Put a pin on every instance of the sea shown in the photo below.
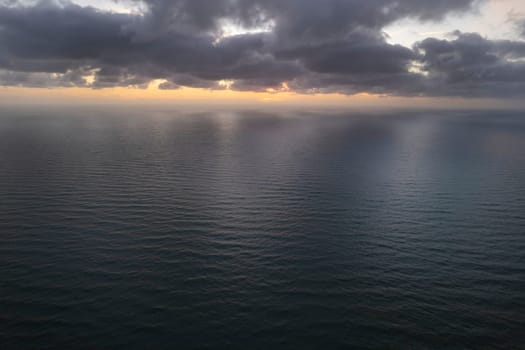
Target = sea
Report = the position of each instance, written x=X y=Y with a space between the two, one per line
x=167 y=228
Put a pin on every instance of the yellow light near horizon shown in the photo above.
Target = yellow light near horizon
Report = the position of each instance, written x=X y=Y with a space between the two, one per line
x=202 y=97
x=152 y=92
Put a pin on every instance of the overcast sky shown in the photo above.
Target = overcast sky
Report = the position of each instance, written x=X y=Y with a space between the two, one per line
x=406 y=48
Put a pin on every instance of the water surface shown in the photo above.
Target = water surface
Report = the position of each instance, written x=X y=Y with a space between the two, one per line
x=245 y=230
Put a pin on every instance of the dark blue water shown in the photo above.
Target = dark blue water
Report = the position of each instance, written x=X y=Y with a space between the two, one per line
x=165 y=229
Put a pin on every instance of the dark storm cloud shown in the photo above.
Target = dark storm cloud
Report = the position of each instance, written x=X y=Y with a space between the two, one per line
x=473 y=65
x=311 y=46
x=359 y=53
x=298 y=18
x=37 y=79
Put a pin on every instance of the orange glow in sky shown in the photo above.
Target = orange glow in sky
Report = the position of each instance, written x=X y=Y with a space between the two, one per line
x=198 y=97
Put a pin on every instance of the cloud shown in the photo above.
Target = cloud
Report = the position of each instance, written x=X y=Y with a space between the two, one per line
x=41 y=79
x=301 y=45
x=472 y=65
x=358 y=53
x=521 y=27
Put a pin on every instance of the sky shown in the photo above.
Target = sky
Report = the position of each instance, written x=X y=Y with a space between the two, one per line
x=333 y=52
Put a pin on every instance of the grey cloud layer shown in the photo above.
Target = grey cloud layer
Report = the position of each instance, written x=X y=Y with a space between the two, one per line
x=311 y=45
